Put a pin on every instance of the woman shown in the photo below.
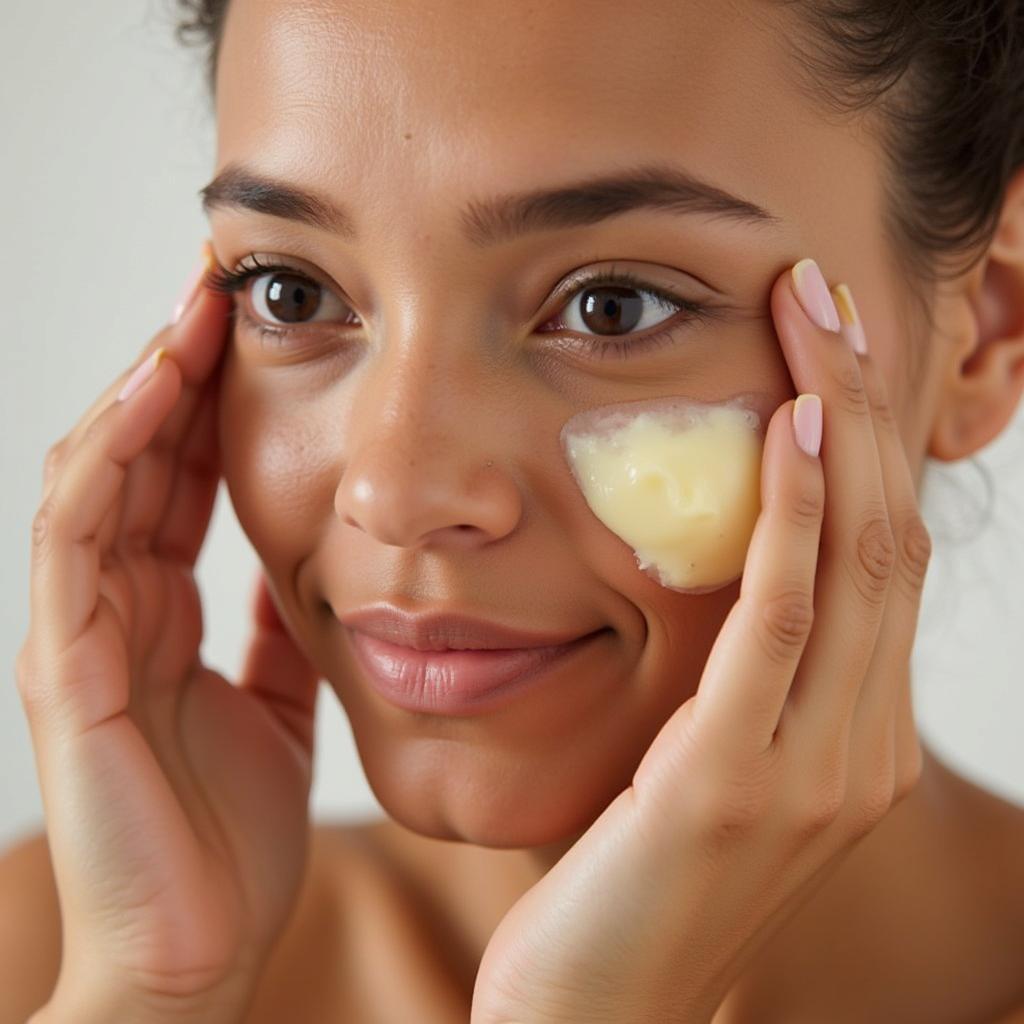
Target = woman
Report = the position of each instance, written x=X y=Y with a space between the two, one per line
x=438 y=232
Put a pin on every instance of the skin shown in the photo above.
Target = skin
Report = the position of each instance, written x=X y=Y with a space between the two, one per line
x=448 y=354
x=405 y=439
x=377 y=461
x=450 y=343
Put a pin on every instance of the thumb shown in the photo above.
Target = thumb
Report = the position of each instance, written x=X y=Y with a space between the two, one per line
x=276 y=672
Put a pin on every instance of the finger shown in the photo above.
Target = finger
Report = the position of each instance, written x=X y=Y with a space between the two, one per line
x=192 y=342
x=856 y=557
x=200 y=336
x=888 y=675
x=750 y=669
x=277 y=671
x=193 y=489
x=65 y=544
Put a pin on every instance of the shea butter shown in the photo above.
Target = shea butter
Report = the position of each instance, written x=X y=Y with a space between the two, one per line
x=679 y=481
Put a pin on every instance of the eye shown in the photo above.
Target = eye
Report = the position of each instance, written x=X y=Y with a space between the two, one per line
x=287 y=299
x=282 y=297
x=612 y=313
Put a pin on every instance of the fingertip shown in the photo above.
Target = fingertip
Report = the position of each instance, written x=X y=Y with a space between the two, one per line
x=145 y=371
x=199 y=332
x=807 y=423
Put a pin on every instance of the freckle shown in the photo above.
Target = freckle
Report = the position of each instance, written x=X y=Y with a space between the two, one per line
x=408 y=135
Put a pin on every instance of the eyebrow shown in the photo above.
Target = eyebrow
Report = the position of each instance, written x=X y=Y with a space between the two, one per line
x=504 y=217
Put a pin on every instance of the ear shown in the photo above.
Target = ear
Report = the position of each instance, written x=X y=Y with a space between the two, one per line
x=984 y=374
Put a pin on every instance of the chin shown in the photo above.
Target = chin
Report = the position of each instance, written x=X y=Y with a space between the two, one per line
x=509 y=823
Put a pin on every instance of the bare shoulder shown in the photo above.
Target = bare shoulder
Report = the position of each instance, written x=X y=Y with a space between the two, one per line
x=30 y=928
x=988 y=845
x=991 y=832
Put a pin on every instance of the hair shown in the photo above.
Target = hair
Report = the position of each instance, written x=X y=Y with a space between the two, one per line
x=942 y=85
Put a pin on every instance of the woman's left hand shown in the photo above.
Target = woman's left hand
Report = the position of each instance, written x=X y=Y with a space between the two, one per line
x=799 y=739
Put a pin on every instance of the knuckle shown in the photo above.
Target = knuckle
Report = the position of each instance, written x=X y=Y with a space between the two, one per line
x=728 y=814
x=94 y=430
x=875 y=558
x=915 y=549
x=43 y=527
x=881 y=410
x=23 y=664
x=785 y=624
x=820 y=809
x=54 y=457
x=807 y=508
x=876 y=799
x=30 y=689
x=850 y=389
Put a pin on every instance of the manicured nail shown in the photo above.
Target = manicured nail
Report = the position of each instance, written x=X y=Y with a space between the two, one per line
x=812 y=293
x=142 y=373
x=807 y=423
x=191 y=288
x=850 y=327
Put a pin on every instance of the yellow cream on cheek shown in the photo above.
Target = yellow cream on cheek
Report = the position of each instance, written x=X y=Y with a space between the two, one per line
x=679 y=481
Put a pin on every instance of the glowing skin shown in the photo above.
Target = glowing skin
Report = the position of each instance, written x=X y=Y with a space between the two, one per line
x=410 y=452
x=679 y=481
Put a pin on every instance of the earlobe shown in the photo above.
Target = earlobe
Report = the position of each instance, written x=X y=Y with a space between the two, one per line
x=985 y=370
x=977 y=407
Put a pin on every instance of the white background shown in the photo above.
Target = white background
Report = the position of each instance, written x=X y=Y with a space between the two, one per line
x=107 y=136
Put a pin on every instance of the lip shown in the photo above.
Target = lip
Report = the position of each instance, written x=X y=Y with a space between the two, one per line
x=440 y=631
x=450 y=664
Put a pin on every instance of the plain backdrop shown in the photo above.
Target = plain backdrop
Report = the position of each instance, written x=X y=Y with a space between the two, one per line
x=107 y=136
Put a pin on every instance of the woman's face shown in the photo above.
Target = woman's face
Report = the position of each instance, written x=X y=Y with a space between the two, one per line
x=401 y=443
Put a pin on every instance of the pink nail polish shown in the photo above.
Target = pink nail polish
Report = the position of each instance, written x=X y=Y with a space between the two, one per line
x=813 y=295
x=807 y=423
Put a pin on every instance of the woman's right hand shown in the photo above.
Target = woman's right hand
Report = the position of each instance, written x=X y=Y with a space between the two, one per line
x=176 y=803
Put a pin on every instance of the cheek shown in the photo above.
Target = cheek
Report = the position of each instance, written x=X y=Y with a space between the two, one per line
x=677 y=480
x=272 y=459
x=680 y=630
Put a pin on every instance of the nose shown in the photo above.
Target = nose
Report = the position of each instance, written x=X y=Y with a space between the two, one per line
x=427 y=462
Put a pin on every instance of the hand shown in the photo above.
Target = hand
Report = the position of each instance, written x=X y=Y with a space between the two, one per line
x=798 y=741
x=175 y=802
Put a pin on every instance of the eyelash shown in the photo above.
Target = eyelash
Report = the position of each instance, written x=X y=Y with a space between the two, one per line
x=228 y=282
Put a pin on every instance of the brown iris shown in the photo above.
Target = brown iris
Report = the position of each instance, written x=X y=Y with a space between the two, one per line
x=610 y=309
x=291 y=298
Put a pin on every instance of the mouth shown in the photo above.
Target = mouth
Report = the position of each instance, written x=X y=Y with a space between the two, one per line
x=451 y=664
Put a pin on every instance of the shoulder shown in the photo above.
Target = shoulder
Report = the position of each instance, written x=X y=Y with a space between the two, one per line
x=984 y=846
x=989 y=836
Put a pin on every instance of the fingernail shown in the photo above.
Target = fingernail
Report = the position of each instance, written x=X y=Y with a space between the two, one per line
x=142 y=373
x=813 y=294
x=850 y=327
x=807 y=423
x=191 y=288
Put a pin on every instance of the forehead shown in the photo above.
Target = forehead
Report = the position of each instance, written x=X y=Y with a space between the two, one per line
x=402 y=109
